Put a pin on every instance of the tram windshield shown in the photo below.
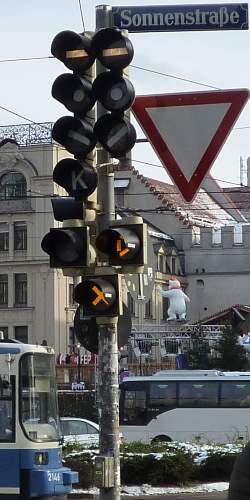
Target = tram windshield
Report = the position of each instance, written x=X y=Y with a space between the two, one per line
x=38 y=397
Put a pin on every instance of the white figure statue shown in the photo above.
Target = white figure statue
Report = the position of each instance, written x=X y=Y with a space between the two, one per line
x=177 y=300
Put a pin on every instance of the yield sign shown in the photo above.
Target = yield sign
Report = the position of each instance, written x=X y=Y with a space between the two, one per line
x=188 y=130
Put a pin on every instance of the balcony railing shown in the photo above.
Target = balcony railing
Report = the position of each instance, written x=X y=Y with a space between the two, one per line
x=28 y=134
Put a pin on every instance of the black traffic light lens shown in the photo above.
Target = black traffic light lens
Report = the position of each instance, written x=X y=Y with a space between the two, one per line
x=67 y=246
x=66 y=208
x=116 y=134
x=75 y=135
x=74 y=50
x=113 y=91
x=113 y=49
x=78 y=178
x=97 y=295
x=122 y=245
x=74 y=92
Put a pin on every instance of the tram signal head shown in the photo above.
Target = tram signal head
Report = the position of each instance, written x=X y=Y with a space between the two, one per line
x=114 y=91
x=100 y=296
x=125 y=243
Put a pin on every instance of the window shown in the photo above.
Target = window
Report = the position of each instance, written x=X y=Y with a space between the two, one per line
x=119 y=197
x=165 y=305
x=91 y=429
x=3 y=290
x=148 y=309
x=38 y=397
x=71 y=292
x=20 y=289
x=21 y=334
x=4 y=237
x=7 y=407
x=173 y=265
x=161 y=259
x=131 y=305
x=198 y=394
x=162 y=394
x=13 y=185
x=134 y=407
x=196 y=235
x=20 y=236
x=4 y=329
x=216 y=236
x=72 y=336
x=238 y=236
x=200 y=283
x=235 y=394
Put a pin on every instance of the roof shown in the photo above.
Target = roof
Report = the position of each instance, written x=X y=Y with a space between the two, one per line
x=237 y=308
x=241 y=197
x=203 y=211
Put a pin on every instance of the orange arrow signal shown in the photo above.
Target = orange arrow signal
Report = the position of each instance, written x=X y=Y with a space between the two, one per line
x=119 y=248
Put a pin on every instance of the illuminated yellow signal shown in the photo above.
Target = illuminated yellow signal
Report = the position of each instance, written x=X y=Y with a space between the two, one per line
x=99 y=296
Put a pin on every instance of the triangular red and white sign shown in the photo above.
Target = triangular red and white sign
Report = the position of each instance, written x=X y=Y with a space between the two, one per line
x=188 y=130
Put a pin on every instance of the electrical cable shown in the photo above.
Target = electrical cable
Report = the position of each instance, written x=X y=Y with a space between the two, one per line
x=83 y=24
x=175 y=77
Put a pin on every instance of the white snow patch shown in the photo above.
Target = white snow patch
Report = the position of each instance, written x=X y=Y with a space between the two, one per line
x=146 y=489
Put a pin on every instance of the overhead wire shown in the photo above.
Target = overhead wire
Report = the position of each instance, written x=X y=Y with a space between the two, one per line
x=137 y=67
x=81 y=12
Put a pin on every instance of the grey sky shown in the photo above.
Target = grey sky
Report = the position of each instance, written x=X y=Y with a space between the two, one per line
x=220 y=59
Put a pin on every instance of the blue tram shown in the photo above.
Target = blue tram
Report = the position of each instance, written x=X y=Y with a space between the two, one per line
x=30 y=437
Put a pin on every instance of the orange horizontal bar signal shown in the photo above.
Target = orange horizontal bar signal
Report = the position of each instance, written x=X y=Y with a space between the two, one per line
x=70 y=54
x=99 y=296
x=116 y=51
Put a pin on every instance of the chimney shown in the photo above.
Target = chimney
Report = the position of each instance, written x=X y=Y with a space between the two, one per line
x=248 y=171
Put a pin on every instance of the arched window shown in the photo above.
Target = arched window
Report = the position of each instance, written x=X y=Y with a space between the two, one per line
x=13 y=185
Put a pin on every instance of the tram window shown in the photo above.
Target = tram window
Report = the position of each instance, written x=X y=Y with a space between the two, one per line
x=235 y=394
x=198 y=394
x=162 y=394
x=134 y=407
x=38 y=407
x=7 y=405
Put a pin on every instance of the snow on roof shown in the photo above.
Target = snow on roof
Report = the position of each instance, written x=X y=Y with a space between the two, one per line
x=162 y=236
x=203 y=211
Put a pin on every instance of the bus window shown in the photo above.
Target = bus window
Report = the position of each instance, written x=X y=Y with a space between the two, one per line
x=7 y=413
x=198 y=394
x=134 y=411
x=162 y=396
x=235 y=394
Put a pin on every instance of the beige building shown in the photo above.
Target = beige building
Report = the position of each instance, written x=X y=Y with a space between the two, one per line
x=34 y=299
x=36 y=302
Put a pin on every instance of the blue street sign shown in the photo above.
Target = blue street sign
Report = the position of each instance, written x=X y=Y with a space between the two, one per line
x=228 y=16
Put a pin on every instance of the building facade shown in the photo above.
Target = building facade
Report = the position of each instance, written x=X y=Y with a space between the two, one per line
x=36 y=302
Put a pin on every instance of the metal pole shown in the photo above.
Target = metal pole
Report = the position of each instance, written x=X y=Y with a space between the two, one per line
x=107 y=341
x=78 y=364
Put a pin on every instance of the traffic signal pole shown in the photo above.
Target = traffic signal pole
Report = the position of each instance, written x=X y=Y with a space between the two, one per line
x=121 y=244
x=108 y=387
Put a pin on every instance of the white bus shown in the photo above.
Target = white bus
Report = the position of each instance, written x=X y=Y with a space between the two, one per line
x=186 y=405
